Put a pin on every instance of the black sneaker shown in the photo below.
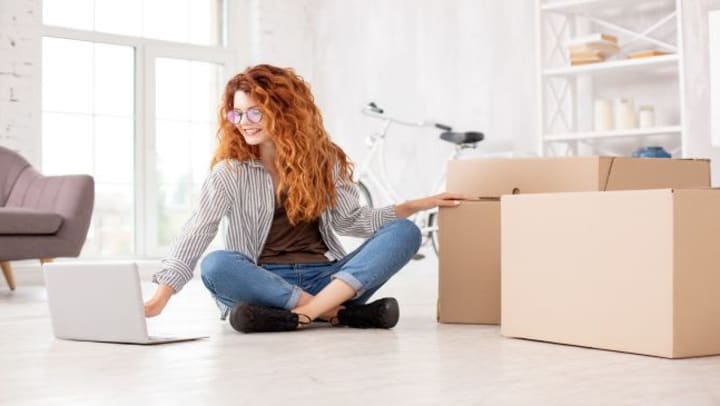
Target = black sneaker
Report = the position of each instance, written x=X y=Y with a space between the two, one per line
x=248 y=318
x=382 y=313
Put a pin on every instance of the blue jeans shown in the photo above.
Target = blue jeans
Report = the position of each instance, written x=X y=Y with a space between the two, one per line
x=233 y=278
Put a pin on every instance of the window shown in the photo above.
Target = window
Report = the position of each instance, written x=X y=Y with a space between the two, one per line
x=87 y=124
x=185 y=122
x=137 y=113
x=184 y=21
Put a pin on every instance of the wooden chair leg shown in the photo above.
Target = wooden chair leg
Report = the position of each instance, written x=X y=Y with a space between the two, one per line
x=46 y=260
x=7 y=271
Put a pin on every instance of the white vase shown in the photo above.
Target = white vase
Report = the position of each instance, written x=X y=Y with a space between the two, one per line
x=603 y=115
x=646 y=116
x=624 y=114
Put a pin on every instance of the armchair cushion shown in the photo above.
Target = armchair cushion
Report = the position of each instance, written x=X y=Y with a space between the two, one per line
x=25 y=221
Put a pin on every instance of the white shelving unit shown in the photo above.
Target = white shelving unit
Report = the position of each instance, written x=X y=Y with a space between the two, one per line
x=566 y=93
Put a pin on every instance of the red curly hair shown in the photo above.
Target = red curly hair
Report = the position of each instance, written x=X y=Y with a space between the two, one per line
x=305 y=157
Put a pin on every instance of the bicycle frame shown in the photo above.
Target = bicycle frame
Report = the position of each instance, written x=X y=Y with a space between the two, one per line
x=380 y=182
x=375 y=143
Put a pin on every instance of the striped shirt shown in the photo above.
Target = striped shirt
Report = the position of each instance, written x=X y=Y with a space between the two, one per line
x=242 y=192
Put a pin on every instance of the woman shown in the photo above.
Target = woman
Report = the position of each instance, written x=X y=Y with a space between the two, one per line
x=285 y=188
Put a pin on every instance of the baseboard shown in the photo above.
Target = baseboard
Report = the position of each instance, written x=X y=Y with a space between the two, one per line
x=29 y=273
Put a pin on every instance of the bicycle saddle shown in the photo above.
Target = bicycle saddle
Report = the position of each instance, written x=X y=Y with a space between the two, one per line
x=467 y=137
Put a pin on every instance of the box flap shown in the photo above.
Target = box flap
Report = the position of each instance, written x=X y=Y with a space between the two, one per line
x=657 y=173
x=604 y=168
x=496 y=177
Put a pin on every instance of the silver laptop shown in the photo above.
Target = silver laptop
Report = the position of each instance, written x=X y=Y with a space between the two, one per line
x=98 y=302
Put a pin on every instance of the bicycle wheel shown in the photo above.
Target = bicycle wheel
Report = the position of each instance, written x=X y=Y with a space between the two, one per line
x=365 y=196
x=432 y=223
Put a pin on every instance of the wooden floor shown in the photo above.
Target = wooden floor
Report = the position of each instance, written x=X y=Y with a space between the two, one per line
x=420 y=362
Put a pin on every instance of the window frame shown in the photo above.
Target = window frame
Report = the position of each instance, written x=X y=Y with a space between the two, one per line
x=146 y=51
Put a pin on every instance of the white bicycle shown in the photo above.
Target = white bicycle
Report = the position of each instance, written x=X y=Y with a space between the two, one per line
x=368 y=180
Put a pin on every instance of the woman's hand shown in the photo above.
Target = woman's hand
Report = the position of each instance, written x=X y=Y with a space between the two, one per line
x=157 y=303
x=446 y=199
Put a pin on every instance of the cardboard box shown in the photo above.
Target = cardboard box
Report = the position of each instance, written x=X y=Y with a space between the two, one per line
x=497 y=177
x=632 y=271
x=469 y=264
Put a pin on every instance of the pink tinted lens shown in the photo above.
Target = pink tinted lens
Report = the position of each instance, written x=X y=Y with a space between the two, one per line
x=254 y=115
x=233 y=116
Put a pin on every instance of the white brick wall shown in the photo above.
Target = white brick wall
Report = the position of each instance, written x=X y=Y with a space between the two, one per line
x=20 y=52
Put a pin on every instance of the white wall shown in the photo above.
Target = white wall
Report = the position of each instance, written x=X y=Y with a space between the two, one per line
x=20 y=50
x=470 y=63
x=697 y=82
x=467 y=63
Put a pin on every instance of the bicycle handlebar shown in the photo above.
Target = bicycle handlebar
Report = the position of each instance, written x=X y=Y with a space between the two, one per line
x=372 y=110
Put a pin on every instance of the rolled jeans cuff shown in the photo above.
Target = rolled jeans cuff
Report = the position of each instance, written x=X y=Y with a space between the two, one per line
x=352 y=281
x=294 y=298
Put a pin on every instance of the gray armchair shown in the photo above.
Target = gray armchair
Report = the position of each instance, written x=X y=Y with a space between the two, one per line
x=41 y=217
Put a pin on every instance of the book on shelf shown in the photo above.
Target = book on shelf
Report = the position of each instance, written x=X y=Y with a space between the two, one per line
x=587 y=54
x=596 y=38
x=607 y=48
x=580 y=58
x=585 y=62
x=647 y=53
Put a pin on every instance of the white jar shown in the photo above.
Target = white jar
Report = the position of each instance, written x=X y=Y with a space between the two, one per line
x=646 y=116
x=624 y=113
x=603 y=115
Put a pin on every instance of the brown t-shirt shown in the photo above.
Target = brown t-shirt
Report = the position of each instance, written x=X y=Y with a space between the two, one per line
x=288 y=244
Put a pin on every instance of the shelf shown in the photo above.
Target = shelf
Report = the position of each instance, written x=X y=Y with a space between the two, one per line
x=619 y=65
x=573 y=6
x=611 y=7
x=636 y=132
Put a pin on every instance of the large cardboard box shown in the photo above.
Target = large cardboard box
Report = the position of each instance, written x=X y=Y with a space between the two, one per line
x=469 y=260
x=633 y=271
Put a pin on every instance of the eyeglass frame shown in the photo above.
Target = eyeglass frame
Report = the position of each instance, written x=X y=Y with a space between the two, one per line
x=235 y=116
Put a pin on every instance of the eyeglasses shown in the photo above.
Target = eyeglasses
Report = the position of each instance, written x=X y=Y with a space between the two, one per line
x=254 y=115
